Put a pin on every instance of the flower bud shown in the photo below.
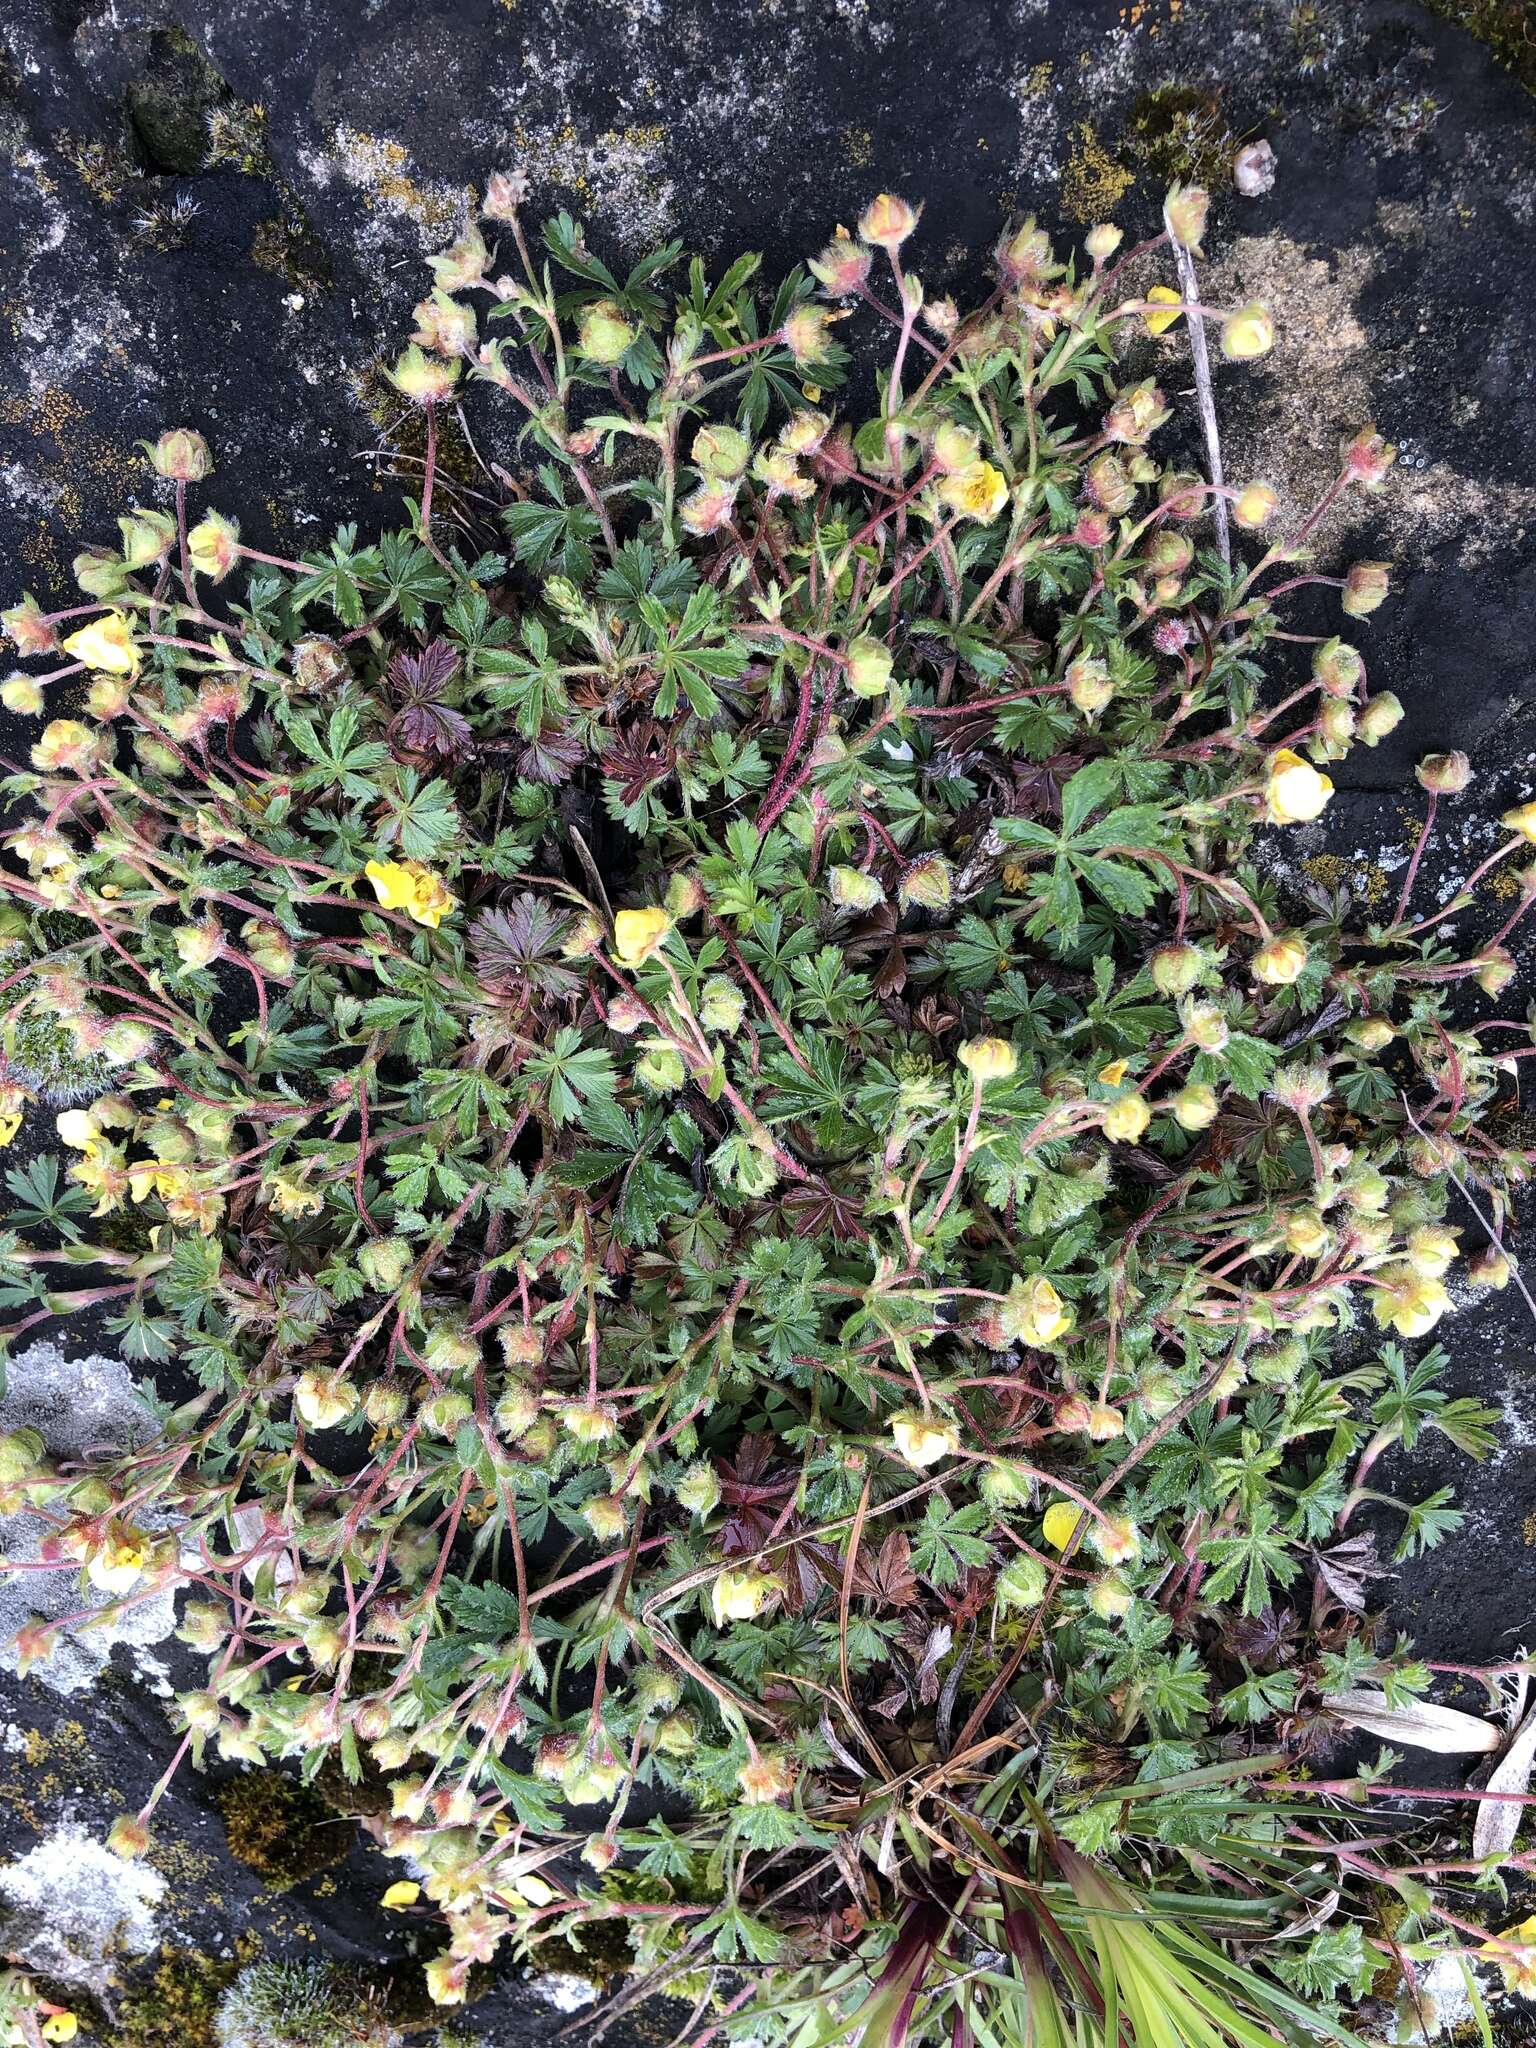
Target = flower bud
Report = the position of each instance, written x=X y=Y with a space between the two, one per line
x=445 y=1414
x=385 y=1404
x=181 y=454
x=1110 y=1597
x=1206 y=1025
x=804 y=334
x=841 y=267
x=1254 y=506
x=1444 y=774
x=1089 y=685
x=1366 y=586
x=147 y=537
x=887 y=221
x=30 y=630
x=1247 y=333
x=22 y=694
x=270 y=947
x=424 y=379
x=1184 y=212
x=722 y=1006
x=1337 y=721
x=1337 y=667
x=1367 y=458
x=1126 y=1119
x=1370 y=1034
x=21 y=1455
x=1380 y=715
x=100 y=573
x=1194 y=1106
x=721 y=451
x=988 y=1059
x=384 y=1262
x=1115 y=1540
x=1496 y=969
x=699 y=1489
x=1101 y=242
x=1521 y=821
x=505 y=192
x=868 y=666
x=1021 y=1583
x=318 y=664
x=1176 y=968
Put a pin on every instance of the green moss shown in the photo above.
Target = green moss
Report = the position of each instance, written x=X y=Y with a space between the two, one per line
x=283 y=1830
x=1508 y=27
x=175 y=2008
x=1182 y=131
x=303 y=2005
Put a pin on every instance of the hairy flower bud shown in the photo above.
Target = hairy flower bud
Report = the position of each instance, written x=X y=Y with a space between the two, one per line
x=841 y=267
x=1254 y=506
x=869 y=666
x=1444 y=774
x=887 y=221
x=1367 y=458
x=1280 y=961
x=180 y=454
x=1366 y=586
x=1102 y=241
x=1184 y=213
x=1379 y=716
x=1337 y=667
x=1247 y=333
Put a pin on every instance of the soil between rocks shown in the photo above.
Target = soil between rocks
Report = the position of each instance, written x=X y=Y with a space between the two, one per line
x=217 y=215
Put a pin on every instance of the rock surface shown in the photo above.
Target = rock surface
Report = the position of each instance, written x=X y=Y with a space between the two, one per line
x=217 y=216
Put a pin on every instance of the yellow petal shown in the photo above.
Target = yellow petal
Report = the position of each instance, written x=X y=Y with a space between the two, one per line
x=1060 y=1523
x=400 y=1895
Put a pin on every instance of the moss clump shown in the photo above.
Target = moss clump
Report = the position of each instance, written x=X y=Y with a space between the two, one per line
x=170 y=104
x=1182 y=132
x=178 y=2005
x=302 y=2005
x=283 y=1830
x=1508 y=27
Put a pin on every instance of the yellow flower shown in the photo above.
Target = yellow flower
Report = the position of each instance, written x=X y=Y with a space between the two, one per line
x=106 y=643
x=638 y=933
x=446 y=1980
x=977 y=492
x=1163 y=295
x=399 y=1896
x=1254 y=505
x=1060 y=1523
x=290 y=1196
x=988 y=1059
x=1126 y=1119
x=1248 y=332
x=1295 y=792
x=1522 y=820
x=407 y=885
x=1034 y=1313
x=1515 y=1953
x=741 y=1592
x=921 y=1440
x=1410 y=1303
x=65 y=743
x=1279 y=962
x=116 y=1564
x=323 y=1401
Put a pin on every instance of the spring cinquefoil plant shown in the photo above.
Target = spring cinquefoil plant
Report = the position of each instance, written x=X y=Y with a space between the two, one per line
x=778 y=1266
